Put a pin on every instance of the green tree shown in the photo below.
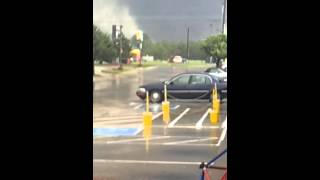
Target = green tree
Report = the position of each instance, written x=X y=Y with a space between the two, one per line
x=216 y=46
x=147 y=44
x=158 y=51
x=196 y=51
x=103 y=47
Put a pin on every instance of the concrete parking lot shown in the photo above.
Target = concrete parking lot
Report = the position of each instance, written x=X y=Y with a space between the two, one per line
x=166 y=151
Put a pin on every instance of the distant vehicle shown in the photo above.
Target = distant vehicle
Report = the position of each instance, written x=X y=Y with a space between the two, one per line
x=185 y=86
x=217 y=72
x=176 y=59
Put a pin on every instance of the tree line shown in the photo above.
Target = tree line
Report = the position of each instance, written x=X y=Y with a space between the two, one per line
x=104 y=49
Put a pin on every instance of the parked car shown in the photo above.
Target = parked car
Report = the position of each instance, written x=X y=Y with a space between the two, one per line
x=185 y=86
x=217 y=72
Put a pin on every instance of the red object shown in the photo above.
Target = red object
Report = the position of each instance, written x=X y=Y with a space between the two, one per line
x=224 y=177
x=206 y=175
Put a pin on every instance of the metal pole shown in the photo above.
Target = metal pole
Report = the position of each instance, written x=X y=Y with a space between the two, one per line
x=147 y=102
x=188 y=43
x=165 y=92
x=224 y=14
x=120 y=51
x=217 y=157
x=141 y=53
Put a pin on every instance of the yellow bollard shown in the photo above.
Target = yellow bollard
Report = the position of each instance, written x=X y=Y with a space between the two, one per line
x=147 y=123
x=215 y=91
x=216 y=105
x=147 y=116
x=166 y=111
x=165 y=107
x=215 y=111
x=147 y=119
x=214 y=117
x=214 y=97
x=165 y=92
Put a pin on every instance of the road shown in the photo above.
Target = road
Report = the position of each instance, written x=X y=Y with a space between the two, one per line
x=165 y=151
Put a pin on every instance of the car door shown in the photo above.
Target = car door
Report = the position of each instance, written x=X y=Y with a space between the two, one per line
x=177 y=87
x=199 y=86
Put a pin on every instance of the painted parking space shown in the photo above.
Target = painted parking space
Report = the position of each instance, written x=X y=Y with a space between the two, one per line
x=111 y=132
x=184 y=116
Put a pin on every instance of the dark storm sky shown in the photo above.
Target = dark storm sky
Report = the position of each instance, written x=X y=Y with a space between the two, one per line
x=161 y=19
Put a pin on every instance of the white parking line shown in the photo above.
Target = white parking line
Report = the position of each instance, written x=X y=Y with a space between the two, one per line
x=188 y=141
x=137 y=107
x=119 y=121
x=224 y=124
x=200 y=122
x=192 y=127
x=186 y=127
x=145 y=162
x=156 y=144
x=136 y=139
x=156 y=116
x=176 y=107
x=117 y=118
x=224 y=132
x=172 y=123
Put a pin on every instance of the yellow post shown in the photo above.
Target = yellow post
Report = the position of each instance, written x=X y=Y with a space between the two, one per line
x=165 y=92
x=147 y=123
x=215 y=111
x=165 y=107
x=147 y=102
x=214 y=116
x=216 y=105
x=213 y=98
x=215 y=91
x=147 y=116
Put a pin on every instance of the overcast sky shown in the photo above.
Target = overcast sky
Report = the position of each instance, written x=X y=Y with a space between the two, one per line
x=161 y=19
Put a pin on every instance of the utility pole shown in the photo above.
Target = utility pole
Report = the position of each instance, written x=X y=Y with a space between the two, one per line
x=224 y=14
x=188 y=43
x=120 y=49
x=141 y=54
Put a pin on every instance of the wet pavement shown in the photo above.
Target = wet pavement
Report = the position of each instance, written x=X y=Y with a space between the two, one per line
x=114 y=95
x=162 y=151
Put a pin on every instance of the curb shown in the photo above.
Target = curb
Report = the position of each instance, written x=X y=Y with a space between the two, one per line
x=122 y=74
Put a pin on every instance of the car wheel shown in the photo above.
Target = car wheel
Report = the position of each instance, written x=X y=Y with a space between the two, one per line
x=155 y=97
